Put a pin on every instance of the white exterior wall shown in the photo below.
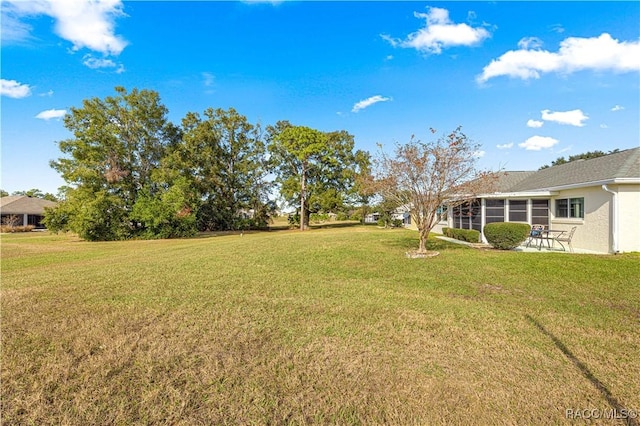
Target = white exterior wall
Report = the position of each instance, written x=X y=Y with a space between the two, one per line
x=628 y=217
x=594 y=232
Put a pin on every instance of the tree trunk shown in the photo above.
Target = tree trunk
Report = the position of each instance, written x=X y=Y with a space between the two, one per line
x=302 y=196
x=423 y=241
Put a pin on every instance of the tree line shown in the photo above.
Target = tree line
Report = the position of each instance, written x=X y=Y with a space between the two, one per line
x=131 y=173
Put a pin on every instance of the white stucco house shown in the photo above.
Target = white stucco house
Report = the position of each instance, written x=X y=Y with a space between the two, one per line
x=600 y=197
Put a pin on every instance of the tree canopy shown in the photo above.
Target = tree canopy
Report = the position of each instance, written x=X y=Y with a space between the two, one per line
x=584 y=156
x=131 y=173
x=222 y=158
x=314 y=169
x=424 y=176
x=118 y=143
x=33 y=192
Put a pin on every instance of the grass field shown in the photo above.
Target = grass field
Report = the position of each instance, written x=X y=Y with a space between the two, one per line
x=330 y=326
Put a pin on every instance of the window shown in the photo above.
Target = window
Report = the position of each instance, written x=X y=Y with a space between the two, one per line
x=442 y=213
x=494 y=210
x=467 y=216
x=570 y=208
x=517 y=210
x=540 y=212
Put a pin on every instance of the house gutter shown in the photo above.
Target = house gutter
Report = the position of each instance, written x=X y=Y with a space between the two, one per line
x=615 y=181
x=614 y=214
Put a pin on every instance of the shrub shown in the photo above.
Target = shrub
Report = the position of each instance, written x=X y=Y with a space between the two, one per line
x=397 y=223
x=19 y=228
x=342 y=216
x=294 y=220
x=506 y=235
x=318 y=217
x=468 y=235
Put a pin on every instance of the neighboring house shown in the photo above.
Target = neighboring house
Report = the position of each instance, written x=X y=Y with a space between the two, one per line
x=27 y=210
x=372 y=217
x=402 y=213
x=600 y=196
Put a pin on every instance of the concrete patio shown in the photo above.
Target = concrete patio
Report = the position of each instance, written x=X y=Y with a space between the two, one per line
x=523 y=248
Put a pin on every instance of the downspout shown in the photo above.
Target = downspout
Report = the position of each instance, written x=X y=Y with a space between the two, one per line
x=614 y=214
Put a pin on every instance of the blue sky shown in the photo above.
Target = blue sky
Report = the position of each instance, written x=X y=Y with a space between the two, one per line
x=529 y=81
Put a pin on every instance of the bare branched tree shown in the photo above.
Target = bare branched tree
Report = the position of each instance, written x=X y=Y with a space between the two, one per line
x=425 y=176
x=11 y=221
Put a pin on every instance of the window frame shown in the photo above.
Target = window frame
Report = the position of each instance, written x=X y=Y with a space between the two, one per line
x=566 y=208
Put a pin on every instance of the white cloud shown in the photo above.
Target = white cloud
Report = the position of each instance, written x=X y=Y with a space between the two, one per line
x=505 y=146
x=575 y=54
x=537 y=143
x=440 y=32
x=572 y=118
x=617 y=108
x=557 y=28
x=530 y=43
x=51 y=113
x=604 y=126
x=49 y=93
x=479 y=154
x=86 y=24
x=14 y=89
x=12 y=29
x=368 y=102
x=209 y=79
x=95 y=63
x=535 y=123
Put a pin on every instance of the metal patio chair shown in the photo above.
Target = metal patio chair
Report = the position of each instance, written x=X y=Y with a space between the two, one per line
x=567 y=239
x=536 y=233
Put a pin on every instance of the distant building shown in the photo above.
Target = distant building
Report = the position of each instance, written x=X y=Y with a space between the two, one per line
x=27 y=210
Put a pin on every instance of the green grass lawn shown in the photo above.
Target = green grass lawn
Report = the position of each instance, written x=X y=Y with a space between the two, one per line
x=329 y=326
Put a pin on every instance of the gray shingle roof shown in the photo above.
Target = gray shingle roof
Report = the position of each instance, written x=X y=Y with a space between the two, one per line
x=508 y=180
x=21 y=204
x=620 y=165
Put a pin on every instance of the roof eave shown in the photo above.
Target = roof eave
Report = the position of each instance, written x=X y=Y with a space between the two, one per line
x=595 y=183
x=520 y=194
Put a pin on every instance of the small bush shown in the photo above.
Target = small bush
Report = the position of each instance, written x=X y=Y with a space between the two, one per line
x=318 y=217
x=293 y=220
x=506 y=235
x=468 y=235
x=20 y=228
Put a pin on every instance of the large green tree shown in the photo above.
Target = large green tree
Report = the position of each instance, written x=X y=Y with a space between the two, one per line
x=364 y=188
x=222 y=157
x=109 y=163
x=313 y=169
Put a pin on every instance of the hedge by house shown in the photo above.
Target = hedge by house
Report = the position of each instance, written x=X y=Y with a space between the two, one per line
x=506 y=235
x=469 y=235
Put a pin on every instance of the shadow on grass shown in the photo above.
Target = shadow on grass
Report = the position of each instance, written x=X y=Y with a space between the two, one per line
x=276 y=228
x=332 y=225
x=601 y=387
x=433 y=243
